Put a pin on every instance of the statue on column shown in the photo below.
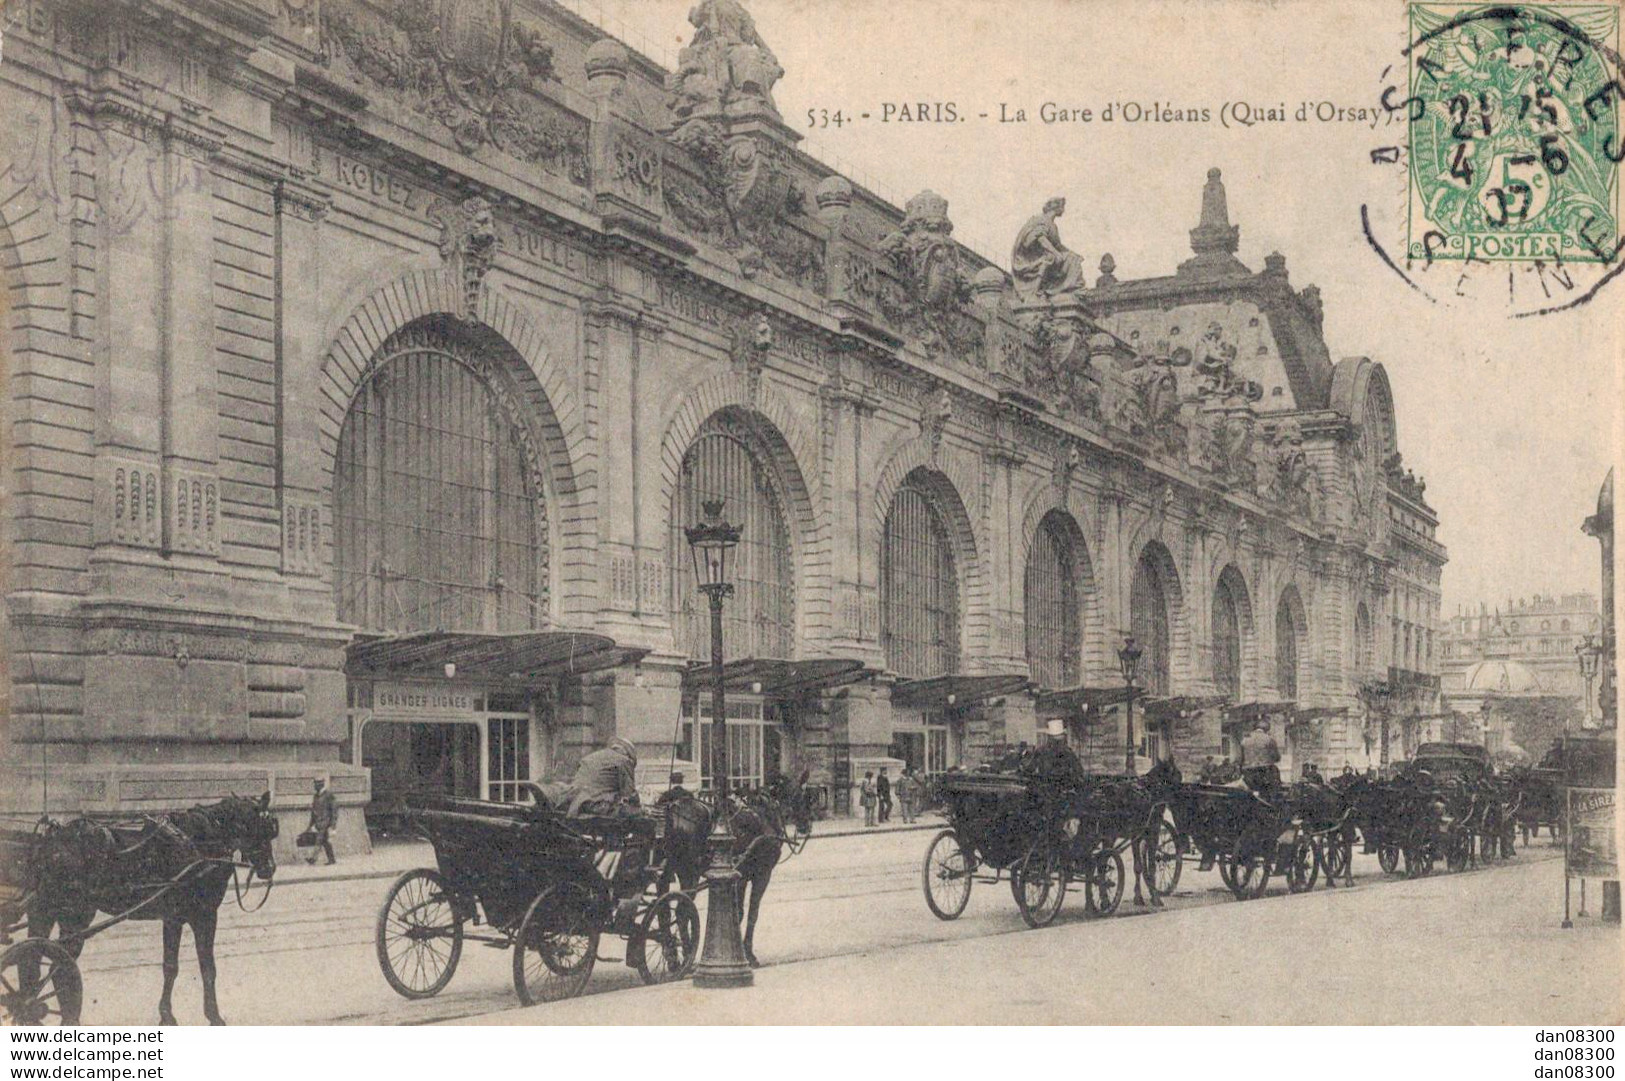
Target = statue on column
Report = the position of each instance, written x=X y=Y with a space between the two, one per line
x=1041 y=265
x=726 y=65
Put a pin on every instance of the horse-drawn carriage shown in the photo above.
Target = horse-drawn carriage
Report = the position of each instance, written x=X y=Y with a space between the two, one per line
x=55 y=877
x=547 y=885
x=1252 y=836
x=1044 y=833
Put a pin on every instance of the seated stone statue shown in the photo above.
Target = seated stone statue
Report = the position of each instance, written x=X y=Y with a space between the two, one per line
x=1041 y=265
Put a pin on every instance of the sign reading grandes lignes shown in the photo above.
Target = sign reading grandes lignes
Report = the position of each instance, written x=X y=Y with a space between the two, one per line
x=407 y=698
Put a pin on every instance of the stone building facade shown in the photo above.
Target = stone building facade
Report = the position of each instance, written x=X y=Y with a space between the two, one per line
x=368 y=357
x=1540 y=632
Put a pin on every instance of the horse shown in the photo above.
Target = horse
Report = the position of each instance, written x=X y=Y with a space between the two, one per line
x=173 y=868
x=760 y=823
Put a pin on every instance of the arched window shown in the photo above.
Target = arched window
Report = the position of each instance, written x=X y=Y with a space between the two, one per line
x=1227 y=636
x=1365 y=642
x=438 y=519
x=726 y=462
x=1149 y=624
x=1054 y=638
x=1286 y=645
x=919 y=589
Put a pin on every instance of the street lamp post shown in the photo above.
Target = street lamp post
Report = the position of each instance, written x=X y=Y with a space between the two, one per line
x=1484 y=722
x=722 y=959
x=1129 y=658
x=1589 y=654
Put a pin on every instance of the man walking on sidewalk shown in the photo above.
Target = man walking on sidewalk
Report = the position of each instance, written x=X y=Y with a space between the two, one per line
x=324 y=815
x=883 y=790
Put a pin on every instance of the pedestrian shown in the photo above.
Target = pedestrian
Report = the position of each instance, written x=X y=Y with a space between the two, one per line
x=906 y=787
x=1260 y=758
x=1209 y=771
x=324 y=815
x=883 y=792
x=866 y=796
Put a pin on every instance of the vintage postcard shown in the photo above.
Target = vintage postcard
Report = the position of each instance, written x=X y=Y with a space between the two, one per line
x=761 y=511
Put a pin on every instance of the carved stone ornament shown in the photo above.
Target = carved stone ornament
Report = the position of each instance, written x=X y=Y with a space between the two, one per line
x=1289 y=479
x=753 y=339
x=1043 y=267
x=1060 y=372
x=935 y=411
x=468 y=242
x=925 y=256
x=1146 y=402
x=474 y=66
x=1213 y=362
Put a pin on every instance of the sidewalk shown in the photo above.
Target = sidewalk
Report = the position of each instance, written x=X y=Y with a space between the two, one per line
x=1480 y=948
x=389 y=858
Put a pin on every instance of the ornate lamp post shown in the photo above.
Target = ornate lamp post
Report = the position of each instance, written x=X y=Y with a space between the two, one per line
x=1129 y=658
x=1484 y=721
x=1589 y=653
x=722 y=959
x=1374 y=695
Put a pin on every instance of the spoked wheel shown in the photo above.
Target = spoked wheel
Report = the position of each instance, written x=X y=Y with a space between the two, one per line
x=1388 y=858
x=1249 y=875
x=947 y=876
x=1103 y=890
x=556 y=946
x=667 y=940
x=419 y=935
x=1418 y=861
x=1302 y=867
x=1334 y=855
x=39 y=984
x=1458 y=851
x=1167 y=859
x=1039 y=883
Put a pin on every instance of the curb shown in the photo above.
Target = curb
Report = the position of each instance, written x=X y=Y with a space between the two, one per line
x=362 y=876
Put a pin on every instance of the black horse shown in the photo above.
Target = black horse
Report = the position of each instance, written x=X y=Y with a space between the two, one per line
x=173 y=868
x=763 y=823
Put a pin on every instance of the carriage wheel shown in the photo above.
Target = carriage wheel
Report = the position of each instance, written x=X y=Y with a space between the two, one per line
x=419 y=935
x=1248 y=876
x=1225 y=874
x=1104 y=889
x=1388 y=858
x=1167 y=859
x=667 y=939
x=1303 y=867
x=1458 y=851
x=556 y=946
x=1039 y=883
x=39 y=984
x=1418 y=861
x=947 y=876
x=1335 y=857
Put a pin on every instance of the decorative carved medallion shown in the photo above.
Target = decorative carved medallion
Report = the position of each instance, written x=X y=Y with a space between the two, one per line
x=468 y=242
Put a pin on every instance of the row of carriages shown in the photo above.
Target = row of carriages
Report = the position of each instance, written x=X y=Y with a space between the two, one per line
x=1049 y=833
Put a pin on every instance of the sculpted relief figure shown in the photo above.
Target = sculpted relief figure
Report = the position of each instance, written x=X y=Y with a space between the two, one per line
x=1291 y=479
x=1148 y=400
x=727 y=65
x=923 y=251
x=1041 y=265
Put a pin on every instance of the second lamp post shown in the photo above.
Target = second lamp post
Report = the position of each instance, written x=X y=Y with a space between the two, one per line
x=1129 y=658
x=722 y=959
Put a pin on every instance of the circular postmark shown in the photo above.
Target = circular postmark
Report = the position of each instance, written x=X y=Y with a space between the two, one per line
x=1509 y=161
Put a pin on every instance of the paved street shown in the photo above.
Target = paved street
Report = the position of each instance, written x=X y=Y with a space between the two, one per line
x=852 y=906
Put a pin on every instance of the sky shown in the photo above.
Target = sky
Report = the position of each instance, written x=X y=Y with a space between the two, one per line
x=1513 y=423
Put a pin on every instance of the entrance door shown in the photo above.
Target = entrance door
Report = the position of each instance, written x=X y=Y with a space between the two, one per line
x=429 y=757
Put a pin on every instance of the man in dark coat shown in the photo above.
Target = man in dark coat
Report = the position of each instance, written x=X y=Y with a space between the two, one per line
x=1260 y=758
x=324 y=815
x=606 y=780
x=883 y=791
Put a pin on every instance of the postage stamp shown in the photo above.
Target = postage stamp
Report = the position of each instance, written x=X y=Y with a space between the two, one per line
x=1514 y=133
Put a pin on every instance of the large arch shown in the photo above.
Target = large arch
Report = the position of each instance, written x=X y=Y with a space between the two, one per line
x=505 y=334
x=955 y=482
x=1156 y=609
x=1235 y=643
x=1291 y=644
x=791 y=452
x=785 y=504
x=1057 y=600
x=923 y=629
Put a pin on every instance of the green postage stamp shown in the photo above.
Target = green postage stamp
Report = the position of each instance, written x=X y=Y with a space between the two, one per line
x=1514 y=124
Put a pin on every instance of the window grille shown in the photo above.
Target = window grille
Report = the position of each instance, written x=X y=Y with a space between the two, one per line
x=919 y=589
x=1226 y=641
x=1286 y=651
x=1054 y=642
x=1148 y=622
x=437 y=516
x=759 y=619
x=508 y=754
x=747 y=724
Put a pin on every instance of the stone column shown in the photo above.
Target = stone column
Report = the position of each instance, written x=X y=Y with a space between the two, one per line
x=300 y=355
x=854 y=572
x=614 y=326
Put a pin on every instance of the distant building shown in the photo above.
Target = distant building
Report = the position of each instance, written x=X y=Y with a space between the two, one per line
x=1540 y=633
